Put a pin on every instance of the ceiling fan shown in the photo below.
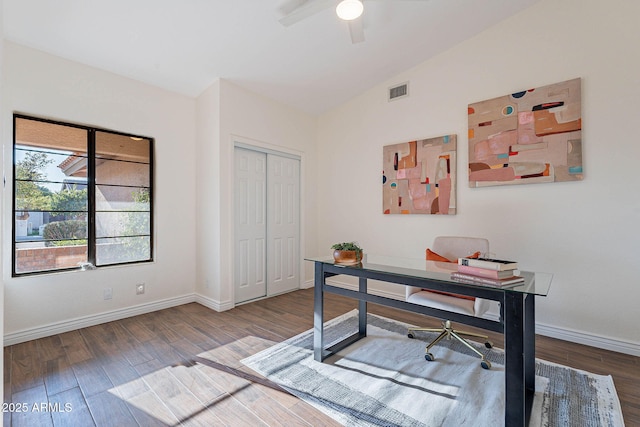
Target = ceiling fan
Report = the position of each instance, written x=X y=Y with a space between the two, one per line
x=349 y=11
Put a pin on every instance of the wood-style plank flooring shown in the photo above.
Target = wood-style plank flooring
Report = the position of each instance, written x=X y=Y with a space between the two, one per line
x=181 y=366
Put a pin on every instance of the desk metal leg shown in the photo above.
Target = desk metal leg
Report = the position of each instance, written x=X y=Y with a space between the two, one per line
x=319 y=351
x=515 y=414
x=318 y=312
x=362 y=309
x=529 y=352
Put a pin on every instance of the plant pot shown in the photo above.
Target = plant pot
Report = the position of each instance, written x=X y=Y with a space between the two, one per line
x=347 y=257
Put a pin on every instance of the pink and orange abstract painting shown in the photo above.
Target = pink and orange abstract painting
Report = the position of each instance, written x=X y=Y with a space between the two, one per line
x=532 y=136
x=419 y=177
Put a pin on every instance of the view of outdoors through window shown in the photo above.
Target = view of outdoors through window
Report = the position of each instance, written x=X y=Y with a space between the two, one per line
x=81 y=196
x=122 y=198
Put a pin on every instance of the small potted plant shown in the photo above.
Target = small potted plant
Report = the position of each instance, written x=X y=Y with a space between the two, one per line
x=347 y=253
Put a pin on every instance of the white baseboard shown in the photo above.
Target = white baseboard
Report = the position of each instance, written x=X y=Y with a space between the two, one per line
x=580 y=337
x=213 y=304
x=95 y=319
x=591 y=340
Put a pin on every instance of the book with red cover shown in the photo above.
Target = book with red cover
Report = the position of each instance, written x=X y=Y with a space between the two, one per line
x=484 y=272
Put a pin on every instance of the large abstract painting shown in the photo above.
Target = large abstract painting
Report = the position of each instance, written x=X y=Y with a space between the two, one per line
x=419 y=177
x=531 y=136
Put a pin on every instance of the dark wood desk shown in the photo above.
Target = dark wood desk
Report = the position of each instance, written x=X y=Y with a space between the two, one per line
x=517 y=315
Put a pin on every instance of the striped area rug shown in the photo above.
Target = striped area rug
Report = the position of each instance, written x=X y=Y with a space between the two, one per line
x=383 y=380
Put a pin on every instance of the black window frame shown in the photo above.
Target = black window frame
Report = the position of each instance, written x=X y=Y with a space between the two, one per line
x=91 y=197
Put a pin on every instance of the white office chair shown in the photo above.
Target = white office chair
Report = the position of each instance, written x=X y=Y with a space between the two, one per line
x=452 y=248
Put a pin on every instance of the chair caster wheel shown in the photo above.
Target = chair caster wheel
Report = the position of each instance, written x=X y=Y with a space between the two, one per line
x=410 y=335
x=429 y=357
x=488 y=344
x=485 y=364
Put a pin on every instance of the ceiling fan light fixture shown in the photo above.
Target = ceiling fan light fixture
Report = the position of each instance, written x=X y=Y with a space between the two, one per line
x=349 y=10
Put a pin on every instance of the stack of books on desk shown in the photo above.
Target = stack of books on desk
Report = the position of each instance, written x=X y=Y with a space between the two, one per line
x=486 y=271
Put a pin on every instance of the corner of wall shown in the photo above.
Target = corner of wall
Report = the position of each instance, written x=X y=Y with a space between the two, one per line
x=208 y=192
x=2 y=132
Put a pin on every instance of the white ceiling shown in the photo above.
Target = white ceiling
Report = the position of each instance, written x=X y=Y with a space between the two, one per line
x=185 y=45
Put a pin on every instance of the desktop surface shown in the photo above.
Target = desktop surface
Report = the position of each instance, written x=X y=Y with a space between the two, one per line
x=535 y=283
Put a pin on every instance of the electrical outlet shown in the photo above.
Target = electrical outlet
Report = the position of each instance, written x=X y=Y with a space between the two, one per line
x=107 y=293
x=140 y=289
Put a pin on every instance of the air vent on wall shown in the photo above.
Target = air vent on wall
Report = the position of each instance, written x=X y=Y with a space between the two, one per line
x=400 y=91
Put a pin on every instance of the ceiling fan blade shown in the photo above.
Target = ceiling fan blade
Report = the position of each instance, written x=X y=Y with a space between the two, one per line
x=356 y=30
x=305 y=10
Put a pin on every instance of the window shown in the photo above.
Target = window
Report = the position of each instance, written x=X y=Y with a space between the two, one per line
x=82 y=197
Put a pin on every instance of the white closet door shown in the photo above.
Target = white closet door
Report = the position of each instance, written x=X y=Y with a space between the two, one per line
x=250 y=276
x=283 y=224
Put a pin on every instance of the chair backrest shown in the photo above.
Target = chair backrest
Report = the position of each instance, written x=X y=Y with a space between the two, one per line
x=454 y=247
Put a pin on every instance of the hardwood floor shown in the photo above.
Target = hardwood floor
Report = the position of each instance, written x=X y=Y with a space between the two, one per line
x=181 y=366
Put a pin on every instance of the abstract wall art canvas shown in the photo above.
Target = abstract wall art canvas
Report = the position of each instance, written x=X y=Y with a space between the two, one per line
x=419 y=177
x=532 y=136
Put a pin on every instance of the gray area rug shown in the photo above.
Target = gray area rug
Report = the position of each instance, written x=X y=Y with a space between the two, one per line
x=383 y=380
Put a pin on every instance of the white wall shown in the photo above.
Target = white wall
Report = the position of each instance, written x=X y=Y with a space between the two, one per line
x=245 y=117
x=1 y=211
x=586 y=233
x=47 y=86
x=208 y=197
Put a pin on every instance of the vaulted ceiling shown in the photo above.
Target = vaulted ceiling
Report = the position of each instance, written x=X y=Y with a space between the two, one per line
x=185 y=45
